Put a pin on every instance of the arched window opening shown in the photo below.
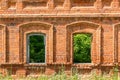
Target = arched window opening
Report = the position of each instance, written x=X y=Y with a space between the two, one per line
x=36 y=48
x=82 y=48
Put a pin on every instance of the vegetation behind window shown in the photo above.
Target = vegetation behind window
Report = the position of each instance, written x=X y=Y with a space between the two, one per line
x=36 y=49
x=82 y=48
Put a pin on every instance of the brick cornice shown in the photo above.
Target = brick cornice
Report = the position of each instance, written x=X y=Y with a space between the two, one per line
x=60 y=15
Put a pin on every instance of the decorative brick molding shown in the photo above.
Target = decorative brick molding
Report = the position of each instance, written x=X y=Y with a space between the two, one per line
x=3 y=54
x=59 y=20
x=58 y=6
x=85 y=27
x=36 y=27
x=116 y=32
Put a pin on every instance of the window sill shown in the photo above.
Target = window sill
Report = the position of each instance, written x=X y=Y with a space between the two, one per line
x=108 y=64
x=83 y=65
x=11 y=64
x=55 y=63
x=36 y=64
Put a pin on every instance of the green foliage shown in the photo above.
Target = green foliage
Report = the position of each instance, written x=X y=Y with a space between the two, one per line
x=37 y=49
x=82 y=48
x=115 y=71
x=64 y=76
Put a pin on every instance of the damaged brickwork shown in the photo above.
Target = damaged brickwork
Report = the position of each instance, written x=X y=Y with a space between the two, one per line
x=59 y=20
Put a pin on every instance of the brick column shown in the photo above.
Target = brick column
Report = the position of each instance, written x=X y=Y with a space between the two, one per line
x=115 y=4
x=98 y=4
x=19 y=5
x=67 y=4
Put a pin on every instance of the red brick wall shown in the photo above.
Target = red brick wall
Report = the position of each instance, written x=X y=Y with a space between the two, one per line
x=59 y=22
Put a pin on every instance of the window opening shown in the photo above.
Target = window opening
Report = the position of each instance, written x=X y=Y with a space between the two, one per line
x=82 y=48
x=36 y=48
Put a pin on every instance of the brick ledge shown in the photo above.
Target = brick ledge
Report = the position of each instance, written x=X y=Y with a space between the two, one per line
x=61 y=15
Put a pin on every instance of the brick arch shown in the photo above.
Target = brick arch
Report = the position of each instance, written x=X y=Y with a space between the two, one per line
x=80 y=22
x=116 y=41
x=85 y=27
x=35 y=27
x=35 y=22
x=3 y=55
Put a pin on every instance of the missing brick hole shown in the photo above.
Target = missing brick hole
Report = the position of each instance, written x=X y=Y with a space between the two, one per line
x=11 y=5
x=35 y=4
x=83 y=3
x=107 y=3
x=59 y=3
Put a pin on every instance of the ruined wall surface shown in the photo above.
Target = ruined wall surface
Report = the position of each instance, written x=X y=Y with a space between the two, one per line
x=59 y=20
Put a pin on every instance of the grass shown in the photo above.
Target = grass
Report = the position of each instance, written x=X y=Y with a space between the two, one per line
x=61 y=75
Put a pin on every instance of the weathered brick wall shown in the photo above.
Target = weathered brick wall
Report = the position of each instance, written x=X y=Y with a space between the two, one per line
x=59 y=20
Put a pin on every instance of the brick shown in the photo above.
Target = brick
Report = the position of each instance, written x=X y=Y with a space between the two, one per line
x=58 y=20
